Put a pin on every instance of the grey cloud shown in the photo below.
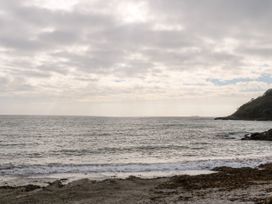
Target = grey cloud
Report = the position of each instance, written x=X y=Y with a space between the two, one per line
x=259 y=51
x=23 y=27
x=29 y=31
x=215 y=13
x=21 y=44
x=60 y=37
x=14 y=85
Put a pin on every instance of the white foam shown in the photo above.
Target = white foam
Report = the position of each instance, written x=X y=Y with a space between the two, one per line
x=133 y=168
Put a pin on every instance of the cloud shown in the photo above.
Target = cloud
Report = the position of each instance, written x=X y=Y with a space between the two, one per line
x=147 y=50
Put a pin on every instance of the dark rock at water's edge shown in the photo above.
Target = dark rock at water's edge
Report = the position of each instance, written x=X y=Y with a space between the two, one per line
x=256 y=109
x=267 y=136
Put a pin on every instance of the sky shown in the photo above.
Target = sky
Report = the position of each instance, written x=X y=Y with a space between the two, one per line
x=133 y=57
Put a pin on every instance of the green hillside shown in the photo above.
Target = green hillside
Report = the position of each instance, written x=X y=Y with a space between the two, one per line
x=257 y=109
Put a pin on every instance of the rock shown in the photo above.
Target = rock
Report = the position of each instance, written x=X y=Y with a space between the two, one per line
x=268 y=200
x=54 y=185
x=267 y=136
x=268 y=92
x=31 y=187
x=256 y=109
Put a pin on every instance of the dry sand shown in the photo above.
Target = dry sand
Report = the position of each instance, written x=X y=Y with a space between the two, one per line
x=227 y=185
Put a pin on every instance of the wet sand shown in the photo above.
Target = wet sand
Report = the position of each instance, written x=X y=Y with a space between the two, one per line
x=226 y=185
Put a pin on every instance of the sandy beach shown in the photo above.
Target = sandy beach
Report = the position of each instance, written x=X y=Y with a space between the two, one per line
x=226 y=185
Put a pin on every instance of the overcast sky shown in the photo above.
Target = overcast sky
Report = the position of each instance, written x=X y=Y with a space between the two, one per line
x=133 y=58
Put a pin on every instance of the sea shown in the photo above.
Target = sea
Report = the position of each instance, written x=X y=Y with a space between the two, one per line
x=38 y=149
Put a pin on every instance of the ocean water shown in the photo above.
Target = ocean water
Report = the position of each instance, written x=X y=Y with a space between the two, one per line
x=102 y=147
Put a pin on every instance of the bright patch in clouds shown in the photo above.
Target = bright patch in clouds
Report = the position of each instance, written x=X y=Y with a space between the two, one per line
x=163 y=27
x=56 y=4
x=133 y=11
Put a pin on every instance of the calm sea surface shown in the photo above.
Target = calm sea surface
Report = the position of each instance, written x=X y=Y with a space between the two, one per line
x=100 y=147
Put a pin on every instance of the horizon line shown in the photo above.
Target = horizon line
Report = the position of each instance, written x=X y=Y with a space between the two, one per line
x=111 y=116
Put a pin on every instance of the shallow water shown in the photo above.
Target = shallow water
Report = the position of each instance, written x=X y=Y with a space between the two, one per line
x=44 y=146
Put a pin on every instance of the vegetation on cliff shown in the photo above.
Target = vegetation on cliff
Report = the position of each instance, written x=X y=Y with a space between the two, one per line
x=257 y=109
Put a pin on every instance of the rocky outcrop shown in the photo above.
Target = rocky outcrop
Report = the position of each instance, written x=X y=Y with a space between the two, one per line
x=256 y=109
x=267 y=136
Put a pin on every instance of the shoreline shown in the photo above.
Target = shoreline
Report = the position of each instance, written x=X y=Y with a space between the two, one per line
x=44 y=179
x=225 y=185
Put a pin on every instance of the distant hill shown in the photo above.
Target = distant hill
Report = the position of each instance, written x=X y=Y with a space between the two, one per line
x=257 y=109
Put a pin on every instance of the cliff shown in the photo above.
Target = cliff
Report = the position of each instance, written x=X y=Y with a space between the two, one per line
x=257 y=109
